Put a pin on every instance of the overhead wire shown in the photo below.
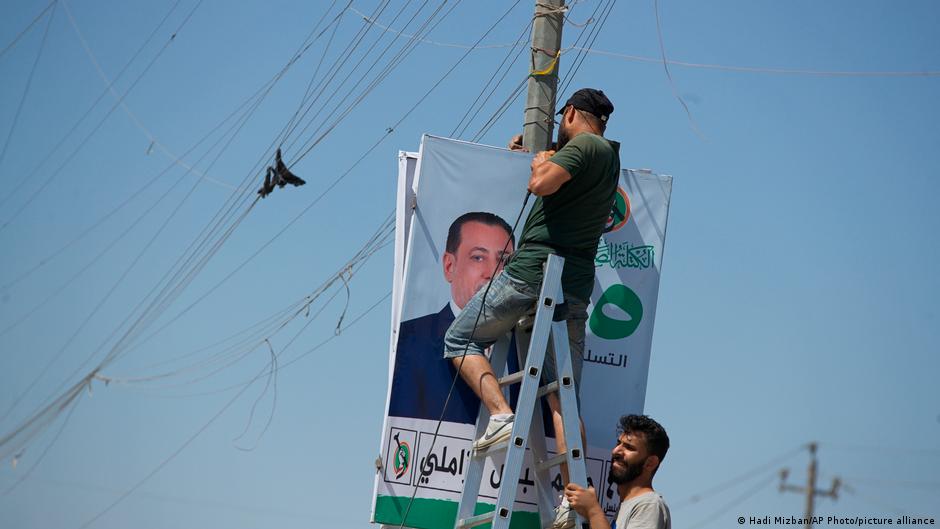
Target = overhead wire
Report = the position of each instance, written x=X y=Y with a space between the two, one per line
x=335 y=68
x=601 y=13
x=109 y=86
x=245 y=262
x=739 y=479
x=32 y=197
x=337 y=180
x=309 y=90
x=124 y=495
x=908 y=484
x=28 y=27
x=262 y=92
x=69 y=396
x=518 y=90
x=428 y=41
x=29 y=83
x=108 y=246
x=232 y=132
x=377 y=241
x=764 y=69
x=127 y=200
x=734 y=503
x=42 y=455
x=470 y=114
x=672 y=83
x=48 y=156
x=872 y=500
x=317 y=136
x=875 y=448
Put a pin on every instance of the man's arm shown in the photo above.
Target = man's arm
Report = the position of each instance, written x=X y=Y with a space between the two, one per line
x=547 y=177
x=584 y=501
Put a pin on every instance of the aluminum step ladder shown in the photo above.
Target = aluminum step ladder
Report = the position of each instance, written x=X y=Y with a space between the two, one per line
x=527 y=430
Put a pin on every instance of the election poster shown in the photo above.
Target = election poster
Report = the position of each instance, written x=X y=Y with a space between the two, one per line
x=457 y=203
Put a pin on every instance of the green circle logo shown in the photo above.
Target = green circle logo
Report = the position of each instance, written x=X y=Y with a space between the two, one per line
x=402 y=457
x=619 y=212
x=611 y=328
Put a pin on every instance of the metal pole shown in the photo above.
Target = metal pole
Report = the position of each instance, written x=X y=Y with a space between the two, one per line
x=811 y=486
x=543 y=80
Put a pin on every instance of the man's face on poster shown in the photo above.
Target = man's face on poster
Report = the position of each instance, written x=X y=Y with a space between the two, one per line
x=479 y=253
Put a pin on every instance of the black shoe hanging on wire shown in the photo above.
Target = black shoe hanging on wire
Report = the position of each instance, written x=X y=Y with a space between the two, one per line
x=279 y=176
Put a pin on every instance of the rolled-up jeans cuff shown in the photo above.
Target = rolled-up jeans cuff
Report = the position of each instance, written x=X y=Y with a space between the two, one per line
x=480 y=325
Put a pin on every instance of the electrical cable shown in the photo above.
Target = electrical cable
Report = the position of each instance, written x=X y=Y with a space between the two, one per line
x=237 y=127
x=589 y=37
x=763 y=69
x=199 y=432
x=43 y=454
x=335 y=182
x=393 y=62
x=672 y=83
x=376 y=242
x=29 y=83
x=524 y=36
x=85 y=140
x=36 y=20
x=109 y=86
x=733 y=503
x=738 y=479
x=88 y=110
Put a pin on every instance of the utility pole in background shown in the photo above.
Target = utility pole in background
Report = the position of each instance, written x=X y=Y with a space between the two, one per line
x=543 y=79
x=810 y=488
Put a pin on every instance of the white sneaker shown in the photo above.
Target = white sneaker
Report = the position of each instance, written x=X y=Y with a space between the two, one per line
x=496 y=430
x=565 y=517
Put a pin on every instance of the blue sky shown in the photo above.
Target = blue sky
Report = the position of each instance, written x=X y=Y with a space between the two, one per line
x=797 y=300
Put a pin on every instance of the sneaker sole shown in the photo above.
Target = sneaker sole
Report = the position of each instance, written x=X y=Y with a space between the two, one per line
x=501 y=436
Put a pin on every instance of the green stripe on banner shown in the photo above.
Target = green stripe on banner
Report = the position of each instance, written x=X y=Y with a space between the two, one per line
x=428 y=513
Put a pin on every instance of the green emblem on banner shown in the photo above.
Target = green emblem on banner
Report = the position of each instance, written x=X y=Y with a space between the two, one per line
x=402 y=457
x=619 y=213
x=610 y=328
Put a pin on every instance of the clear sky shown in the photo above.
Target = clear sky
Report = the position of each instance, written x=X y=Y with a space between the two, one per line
x=797 y=300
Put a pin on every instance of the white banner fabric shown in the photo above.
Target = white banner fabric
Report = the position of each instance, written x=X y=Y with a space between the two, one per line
x=424 y=457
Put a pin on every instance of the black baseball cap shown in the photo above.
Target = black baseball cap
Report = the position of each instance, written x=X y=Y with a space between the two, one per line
x=590 y=100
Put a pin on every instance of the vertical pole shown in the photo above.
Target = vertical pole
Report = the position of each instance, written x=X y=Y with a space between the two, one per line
x=543 y=81
x=810 y=486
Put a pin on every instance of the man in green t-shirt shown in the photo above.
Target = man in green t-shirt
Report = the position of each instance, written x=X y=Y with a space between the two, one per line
x=575 y=188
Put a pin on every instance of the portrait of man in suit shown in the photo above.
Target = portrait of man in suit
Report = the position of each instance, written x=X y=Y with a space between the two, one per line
x=476 y=246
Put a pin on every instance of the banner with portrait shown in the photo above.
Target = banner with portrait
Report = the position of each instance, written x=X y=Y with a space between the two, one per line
x=457 y=203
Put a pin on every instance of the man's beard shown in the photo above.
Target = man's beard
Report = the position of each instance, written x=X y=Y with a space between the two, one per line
x=626 y=474
x=562 y=136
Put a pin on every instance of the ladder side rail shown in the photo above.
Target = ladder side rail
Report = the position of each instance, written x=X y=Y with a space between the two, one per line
x=567 y=395
x=535 y=360
x=474 y=476
x=539 y=450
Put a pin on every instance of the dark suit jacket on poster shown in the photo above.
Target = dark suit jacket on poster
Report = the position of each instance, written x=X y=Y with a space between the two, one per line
x=423 y=376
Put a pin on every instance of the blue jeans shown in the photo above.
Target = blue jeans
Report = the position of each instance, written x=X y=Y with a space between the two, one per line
x=510 y=300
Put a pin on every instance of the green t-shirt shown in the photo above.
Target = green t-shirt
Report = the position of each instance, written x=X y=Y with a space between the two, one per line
x=569 y=222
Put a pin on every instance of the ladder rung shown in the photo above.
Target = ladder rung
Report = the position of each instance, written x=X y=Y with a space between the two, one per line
x=552 y=461
x=479 y=519
x=547 y=388
x=514 y=378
